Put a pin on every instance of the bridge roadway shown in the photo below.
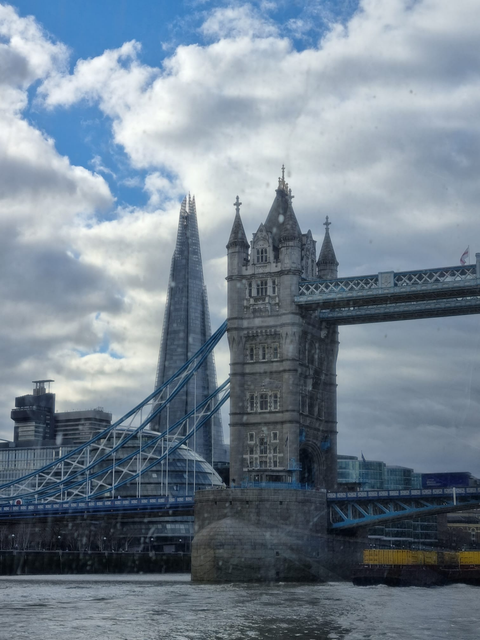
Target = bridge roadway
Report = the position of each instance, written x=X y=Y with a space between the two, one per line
x=97 y=507
x=389 y=296
x=348 y=510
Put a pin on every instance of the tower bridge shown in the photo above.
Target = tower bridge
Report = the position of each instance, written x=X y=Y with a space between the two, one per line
x=390 y=296
x=284 y=310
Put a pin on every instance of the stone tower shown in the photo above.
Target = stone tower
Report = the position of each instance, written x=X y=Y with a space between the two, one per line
x=282 y=359
x=186 y=327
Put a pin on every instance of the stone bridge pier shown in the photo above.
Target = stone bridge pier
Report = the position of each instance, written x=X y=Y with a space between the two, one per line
x=268 y=535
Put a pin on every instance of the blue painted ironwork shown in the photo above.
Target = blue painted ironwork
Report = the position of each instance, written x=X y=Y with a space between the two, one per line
x=121 y=505
x=353 y=509
x=392 y=296
x=97 y=458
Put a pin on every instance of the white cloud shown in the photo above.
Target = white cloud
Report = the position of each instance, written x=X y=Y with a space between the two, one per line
x=378 y=128
x=49 y=296
x=161 y=189
x=239 y=21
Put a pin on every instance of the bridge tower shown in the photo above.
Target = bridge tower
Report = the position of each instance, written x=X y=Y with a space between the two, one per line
x=282 y=360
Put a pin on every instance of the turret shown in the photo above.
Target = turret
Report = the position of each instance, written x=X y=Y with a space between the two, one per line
x=237 y=244
x=290 y=238
x=327 y=264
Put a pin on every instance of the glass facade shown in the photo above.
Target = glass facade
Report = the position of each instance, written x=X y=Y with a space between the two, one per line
x=398 y=478
x=347 y=470
x=373 y=474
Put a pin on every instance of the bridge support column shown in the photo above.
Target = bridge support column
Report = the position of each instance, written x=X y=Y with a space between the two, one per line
x=268 y=535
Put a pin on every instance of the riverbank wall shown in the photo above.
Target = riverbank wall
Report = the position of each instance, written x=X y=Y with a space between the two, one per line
x=71 y=562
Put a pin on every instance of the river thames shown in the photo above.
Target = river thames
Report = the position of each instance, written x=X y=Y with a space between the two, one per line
x=142 y=607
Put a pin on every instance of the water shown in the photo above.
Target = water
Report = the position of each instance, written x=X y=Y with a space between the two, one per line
x=171 y=608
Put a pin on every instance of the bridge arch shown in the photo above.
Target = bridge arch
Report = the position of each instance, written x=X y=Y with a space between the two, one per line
x=310 y=459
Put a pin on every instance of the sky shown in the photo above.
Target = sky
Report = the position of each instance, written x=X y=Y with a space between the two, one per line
x=112 y=111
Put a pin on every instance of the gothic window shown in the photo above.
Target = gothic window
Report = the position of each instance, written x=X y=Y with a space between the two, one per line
x=263 y=464
x=262 y=255
x=263 y=352
x=274 y=286
x=275 y=401
x=262 y=287
x=275 y=351
x=251 y=436
x=262 y=442
x=264 y=402
x=251 y=402
x=250 y=451
x=275 y=438
x=251 y=353
x=275 y=457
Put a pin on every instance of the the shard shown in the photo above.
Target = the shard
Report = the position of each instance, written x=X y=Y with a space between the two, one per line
x=186 y=327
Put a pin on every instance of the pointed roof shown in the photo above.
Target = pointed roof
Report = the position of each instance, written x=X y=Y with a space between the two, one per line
x=186 y=327
x=327 y=259
x=290 y=228
x=237 y=235
x=281 y=221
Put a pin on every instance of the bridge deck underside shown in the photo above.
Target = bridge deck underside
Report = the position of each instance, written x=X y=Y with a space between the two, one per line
x=448 y=291
x=358 y=512
x=395 y=310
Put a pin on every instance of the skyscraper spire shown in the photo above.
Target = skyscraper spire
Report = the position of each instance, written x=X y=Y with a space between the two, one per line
x=186 y=327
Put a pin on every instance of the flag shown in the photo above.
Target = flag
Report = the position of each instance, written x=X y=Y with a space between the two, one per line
x=286 y=440
x=465 y=255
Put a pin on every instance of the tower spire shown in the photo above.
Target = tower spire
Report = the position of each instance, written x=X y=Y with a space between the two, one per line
x=281 y=220
x=327 y=264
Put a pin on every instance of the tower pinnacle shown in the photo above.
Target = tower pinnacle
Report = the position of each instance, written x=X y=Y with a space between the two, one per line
x=237 y=204
x=327 y=264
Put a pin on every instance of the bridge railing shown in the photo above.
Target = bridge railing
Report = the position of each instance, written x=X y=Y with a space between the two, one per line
x=440 y=278
x=399 y=493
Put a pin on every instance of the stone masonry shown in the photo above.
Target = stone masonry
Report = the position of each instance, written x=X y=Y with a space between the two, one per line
x=282 y=359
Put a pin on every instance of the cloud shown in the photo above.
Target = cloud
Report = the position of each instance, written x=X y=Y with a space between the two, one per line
x=50 y=293
x=238 y=21
x=377 y=125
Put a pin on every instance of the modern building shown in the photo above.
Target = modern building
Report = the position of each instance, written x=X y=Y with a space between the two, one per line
x=36 y=423
x=283 y=424
x=34 y=414
x=361 y=474
x=186 y=327
x=79 y=426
